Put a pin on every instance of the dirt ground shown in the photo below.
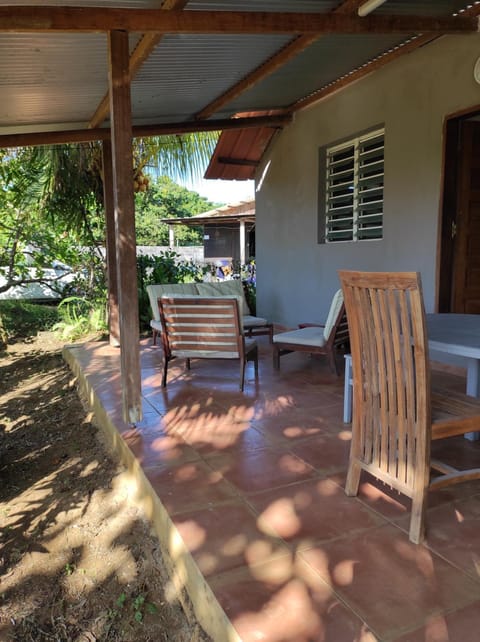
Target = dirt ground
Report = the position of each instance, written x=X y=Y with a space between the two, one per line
x=77 y=560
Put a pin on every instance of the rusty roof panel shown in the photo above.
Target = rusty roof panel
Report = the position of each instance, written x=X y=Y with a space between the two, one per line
x=238 y=152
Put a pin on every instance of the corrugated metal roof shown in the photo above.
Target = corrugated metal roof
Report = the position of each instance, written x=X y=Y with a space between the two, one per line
x=325 y=60
x=55 y=81
x=184 y=73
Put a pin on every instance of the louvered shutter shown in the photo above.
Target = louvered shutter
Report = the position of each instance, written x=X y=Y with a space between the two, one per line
x=354 y=191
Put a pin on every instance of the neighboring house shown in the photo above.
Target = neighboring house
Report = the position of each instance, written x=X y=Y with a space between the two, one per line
x=320 y=207
x=228 y=232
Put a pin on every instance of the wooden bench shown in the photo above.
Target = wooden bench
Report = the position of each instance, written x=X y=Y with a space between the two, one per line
x=196 y=327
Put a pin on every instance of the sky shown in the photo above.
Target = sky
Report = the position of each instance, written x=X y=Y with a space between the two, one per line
x=224 y=192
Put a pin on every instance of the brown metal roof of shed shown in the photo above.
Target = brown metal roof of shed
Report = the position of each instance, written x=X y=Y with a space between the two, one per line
x=238 y=152
x=233 y=213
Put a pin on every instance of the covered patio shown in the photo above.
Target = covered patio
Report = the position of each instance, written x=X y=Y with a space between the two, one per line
x=245 y=492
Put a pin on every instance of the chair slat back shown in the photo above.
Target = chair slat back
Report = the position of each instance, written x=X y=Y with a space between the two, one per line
x=195 y=326
x=391 y=411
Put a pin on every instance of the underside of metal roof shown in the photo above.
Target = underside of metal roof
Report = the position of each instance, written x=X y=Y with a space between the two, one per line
x=55 y=80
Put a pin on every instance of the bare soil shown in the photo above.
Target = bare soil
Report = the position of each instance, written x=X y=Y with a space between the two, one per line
x=78 y=562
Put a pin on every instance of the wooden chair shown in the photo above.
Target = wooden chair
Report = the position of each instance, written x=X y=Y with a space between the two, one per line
x=395 y=415
x=316 y=339
x=196 y=327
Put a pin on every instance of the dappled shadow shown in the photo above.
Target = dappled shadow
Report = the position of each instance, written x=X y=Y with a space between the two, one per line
x=77 y=559
x=254 y=484
x=34 y=362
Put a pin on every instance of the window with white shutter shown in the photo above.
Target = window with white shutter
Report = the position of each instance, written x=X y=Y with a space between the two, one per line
x=354 y=189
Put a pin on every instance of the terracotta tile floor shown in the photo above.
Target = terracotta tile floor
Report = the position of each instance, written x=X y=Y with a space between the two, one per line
x=254 y=484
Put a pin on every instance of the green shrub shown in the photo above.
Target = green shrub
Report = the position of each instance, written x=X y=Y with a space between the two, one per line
x=165 y=268
x=21 y=320
x=80 y=317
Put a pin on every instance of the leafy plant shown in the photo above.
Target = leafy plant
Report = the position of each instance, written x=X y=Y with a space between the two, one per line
x=166 y=268
x=80 y=317
x=139 y=606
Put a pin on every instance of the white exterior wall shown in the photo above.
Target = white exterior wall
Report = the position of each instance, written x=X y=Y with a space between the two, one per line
x=297 y=276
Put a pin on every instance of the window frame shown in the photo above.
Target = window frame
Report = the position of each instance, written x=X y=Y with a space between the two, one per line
x=363 y=207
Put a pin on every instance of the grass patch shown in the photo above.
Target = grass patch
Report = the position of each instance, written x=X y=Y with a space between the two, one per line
x=21 y=320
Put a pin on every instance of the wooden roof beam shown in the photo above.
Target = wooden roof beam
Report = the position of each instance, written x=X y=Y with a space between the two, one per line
x=141 y=131
x=142 y=51
x=28 y=19
x=279 y=59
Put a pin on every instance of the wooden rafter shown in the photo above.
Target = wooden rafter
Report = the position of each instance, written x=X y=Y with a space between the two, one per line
x=140 y=131
x=364 y=70
x=28 y=19
x=147 y=44
x=377 y=63
x=279 y=59
x=411 y=45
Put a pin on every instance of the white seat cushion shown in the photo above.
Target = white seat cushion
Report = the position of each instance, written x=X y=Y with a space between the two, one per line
x=303 y=337
x=253 y=322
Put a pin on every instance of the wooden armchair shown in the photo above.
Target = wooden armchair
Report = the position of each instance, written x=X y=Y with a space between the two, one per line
x=196 y=327
x=316 y=339
x=395 y=415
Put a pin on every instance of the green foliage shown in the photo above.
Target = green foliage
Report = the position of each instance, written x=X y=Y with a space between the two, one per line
x=80 y=317
x=139 y=606
x=166 y=268
x=21 y=320
x=251 y=296
x=166 y=199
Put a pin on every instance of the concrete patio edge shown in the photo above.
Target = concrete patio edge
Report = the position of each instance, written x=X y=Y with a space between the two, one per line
x=185 y=575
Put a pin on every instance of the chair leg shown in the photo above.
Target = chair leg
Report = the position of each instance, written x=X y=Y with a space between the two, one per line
x=270 y=333
x=154 y=336
x=276 y=357
x=188 y=364
x=353 y=478
x=417 y=519
x=165 y=369
x=332 y=362
x=242 y=374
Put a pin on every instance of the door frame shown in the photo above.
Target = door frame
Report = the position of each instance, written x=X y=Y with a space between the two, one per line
x=448 y=202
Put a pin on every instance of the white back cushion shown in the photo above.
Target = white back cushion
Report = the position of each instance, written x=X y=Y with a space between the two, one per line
x=333 y=313
x=231 y=287
x=157 y=290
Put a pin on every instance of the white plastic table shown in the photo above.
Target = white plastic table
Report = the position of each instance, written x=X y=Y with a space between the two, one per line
x=452 y=338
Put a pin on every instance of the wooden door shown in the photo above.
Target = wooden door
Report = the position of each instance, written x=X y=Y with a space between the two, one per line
x=465 y=227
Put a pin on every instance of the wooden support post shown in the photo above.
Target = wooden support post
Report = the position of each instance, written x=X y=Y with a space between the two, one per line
x=111 y=255
x=171 y=236
x=122 y=164
x=242 y=242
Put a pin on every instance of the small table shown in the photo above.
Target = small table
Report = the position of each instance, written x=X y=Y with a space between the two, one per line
x=453 y=338
x=457 y=335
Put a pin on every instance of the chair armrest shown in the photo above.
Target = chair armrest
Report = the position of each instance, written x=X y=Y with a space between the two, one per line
x=311 y=325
